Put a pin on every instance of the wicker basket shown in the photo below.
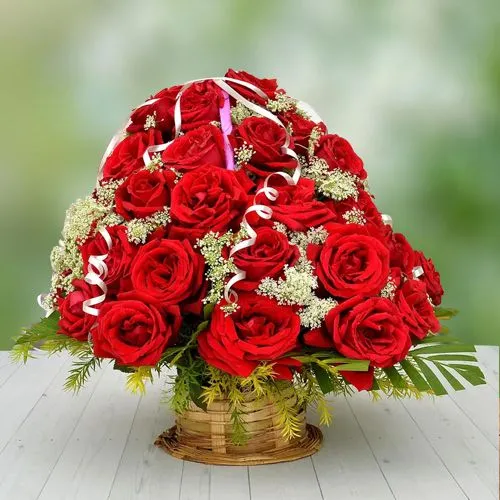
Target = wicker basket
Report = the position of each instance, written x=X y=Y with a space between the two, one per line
x=205 y=436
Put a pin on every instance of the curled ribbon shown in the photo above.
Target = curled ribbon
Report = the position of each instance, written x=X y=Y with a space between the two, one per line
x=97 y=273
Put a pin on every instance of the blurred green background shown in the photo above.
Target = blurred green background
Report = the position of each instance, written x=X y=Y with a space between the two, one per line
x=415 y=86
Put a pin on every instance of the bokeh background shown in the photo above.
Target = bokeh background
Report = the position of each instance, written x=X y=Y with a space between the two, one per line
x=415 y=86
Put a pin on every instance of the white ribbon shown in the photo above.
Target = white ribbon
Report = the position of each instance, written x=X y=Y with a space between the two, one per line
x=387 y=219
x=417 y=272
x=97 y=273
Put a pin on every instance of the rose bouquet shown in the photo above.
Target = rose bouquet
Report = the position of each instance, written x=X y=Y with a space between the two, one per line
x=231 y=237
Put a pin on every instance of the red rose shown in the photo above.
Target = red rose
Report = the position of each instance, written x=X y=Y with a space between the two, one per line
x=144 y=193
x=158 y=115
x=208 y=199
x=200 y=104
x=265 y=258
x=134 y=332
x=344 y=209
x=402 y=254
x=259 y=330
x=169 y=271
x=118 y=257
x=74 y=322
x=266 y=138
x=338 y=153
x=431 y=278
x=416 y=309
x=268 y=85
x=296 y=207
x=198 y=147
x=126 y=158
x=352 y=261
x=301 y=129
x=371 y=329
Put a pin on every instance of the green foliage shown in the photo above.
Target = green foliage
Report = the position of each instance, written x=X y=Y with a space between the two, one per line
x=136 y=381
x=34 y=337
x=80 y=372
x=450 y=359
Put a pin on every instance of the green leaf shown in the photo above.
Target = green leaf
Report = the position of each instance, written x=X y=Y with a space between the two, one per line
x=202 y=326
x=123 y=368
x=195 y=392
x=449 y=377
x=439 y=339
x=435 y=384
x=354 y=366
x=471 y=373
x=452 y=357
x=323 y=378
x=207 y=310
x=394 y=376
x=418 y=381
x=445 y=312
x=442 y=349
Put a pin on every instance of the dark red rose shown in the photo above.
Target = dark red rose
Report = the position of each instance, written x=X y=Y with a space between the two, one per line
x=134 y=332
x=265 y=258
x=431 y=278
x=346 y=209
x=369 y=328
x=363 y=381
x=416 y=309
x=200 y=104
x=171 y=272
x=318 y=337
x=259 y=330
x=338 y=153
x=126 y=158
x=268 y=85
x=208 y=199
x=118 y=257
x=402 y=254
x=266 y=138
x=353 y=261
x=198 y=147
x=296 y=207
x=144 y=193
x=158 y=115
x=74 y=322
x=301 y=129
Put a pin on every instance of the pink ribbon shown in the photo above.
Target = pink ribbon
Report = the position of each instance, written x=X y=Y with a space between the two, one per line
x=227 y=127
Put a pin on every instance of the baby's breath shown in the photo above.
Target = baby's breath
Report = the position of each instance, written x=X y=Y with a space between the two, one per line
x=295 y=288
x=139 y=229
x=389 y=290
x=155 y=164
x=313 y=314
x=243 y=154
x=240 y=112
x=105 y=192
x=336 y=184
x=150 y=121
x=218 y=268
x=80 y=218
x=314 y=137
x=354 y=216
x=281 y=104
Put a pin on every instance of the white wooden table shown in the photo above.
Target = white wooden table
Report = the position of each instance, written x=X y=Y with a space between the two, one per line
x=98 y=445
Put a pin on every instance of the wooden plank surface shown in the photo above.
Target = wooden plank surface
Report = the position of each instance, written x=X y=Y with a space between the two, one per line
x=99 y=445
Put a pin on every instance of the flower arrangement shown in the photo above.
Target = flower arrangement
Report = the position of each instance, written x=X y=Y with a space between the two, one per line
x=231 y=237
